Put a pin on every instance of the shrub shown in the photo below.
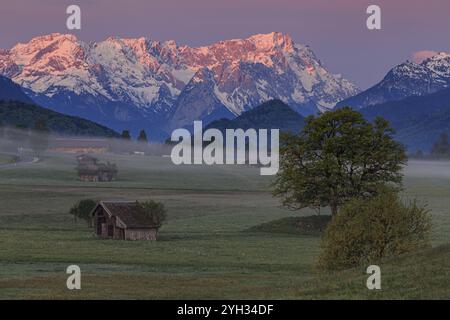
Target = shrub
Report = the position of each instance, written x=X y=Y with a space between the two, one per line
x=365 y=231
x=82 y=209
x=155 y=210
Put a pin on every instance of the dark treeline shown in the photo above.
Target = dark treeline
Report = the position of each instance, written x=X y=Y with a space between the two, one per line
x=19 y=140
x=439 y=150
x=24 y=116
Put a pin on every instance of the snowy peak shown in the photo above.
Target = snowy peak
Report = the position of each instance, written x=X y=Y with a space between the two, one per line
x=405 y=80
x=45 y=47
x=272 y=41
x=440 y=64
x=261 y=48
x=152 y=76
x=412 y=72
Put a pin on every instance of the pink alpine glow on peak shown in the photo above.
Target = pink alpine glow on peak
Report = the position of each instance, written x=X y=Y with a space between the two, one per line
x=150 y=74
x=272 y=41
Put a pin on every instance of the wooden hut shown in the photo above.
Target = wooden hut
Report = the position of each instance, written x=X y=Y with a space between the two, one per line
x=91 y=170
x=123 y=221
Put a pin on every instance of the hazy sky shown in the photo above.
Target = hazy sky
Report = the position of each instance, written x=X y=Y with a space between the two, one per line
x=335 y=29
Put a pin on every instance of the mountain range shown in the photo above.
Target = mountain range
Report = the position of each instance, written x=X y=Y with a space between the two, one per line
x=159 y=86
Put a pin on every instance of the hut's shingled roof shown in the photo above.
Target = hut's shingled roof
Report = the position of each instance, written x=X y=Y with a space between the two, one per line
x=129 y=213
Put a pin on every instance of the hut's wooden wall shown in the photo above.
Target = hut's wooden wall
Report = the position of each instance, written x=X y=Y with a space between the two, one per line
x=140 y=234
x=108 y=228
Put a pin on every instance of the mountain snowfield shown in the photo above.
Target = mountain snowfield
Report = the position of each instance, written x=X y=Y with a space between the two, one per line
x=126 y=83
x=405 y=80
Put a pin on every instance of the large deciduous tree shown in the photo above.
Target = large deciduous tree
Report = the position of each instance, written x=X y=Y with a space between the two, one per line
x=337 y=156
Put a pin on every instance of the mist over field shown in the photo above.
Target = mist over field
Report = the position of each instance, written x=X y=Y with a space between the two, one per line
x=208 y=240
x=17 y=140
x=438 y=169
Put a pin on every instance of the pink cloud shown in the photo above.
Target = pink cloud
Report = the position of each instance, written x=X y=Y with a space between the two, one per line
x=419 y=56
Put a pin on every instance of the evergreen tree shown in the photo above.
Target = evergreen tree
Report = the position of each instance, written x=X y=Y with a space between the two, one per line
x=441 y=147
x=142 y=136
x=126 y=135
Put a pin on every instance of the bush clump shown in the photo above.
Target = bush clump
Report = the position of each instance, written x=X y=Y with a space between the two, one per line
x=82 y=209
x=155 y=211
x=367 y=230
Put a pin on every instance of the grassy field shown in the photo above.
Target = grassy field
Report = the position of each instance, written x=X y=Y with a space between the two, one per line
x=205 y=250
x=6 y=159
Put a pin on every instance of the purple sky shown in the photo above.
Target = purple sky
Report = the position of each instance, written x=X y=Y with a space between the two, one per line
x=335 y=29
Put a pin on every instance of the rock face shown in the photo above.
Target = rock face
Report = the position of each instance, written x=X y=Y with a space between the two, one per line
x=137 y=82
x=405 y=80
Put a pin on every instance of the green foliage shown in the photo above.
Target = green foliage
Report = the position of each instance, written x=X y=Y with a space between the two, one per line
x=365 y=231
x=82 y=209
x=337 y=156
x=154 y=210
x=126 y=135
x=142 y=136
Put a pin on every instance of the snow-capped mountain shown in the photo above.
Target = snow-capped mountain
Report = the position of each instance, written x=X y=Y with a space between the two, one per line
x=440 y=64
x=131 y=82
x=405 y=80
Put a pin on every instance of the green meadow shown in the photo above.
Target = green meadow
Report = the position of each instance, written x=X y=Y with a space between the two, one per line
x=208 y=249
x=6 y=159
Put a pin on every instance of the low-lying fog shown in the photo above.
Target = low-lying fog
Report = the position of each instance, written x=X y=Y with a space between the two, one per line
x=18 y=141
x=428 y=168
x=21 y=141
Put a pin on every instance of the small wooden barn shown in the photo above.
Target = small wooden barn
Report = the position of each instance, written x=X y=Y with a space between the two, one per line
x=123 y=221
x=91 y=170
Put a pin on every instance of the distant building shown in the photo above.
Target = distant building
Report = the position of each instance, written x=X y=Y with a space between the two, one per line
x=123 y=221
x=91 y=170
x=86 y=160
x=79 y=145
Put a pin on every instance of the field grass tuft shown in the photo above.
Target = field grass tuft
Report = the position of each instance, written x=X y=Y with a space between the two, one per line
x=308 y=225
